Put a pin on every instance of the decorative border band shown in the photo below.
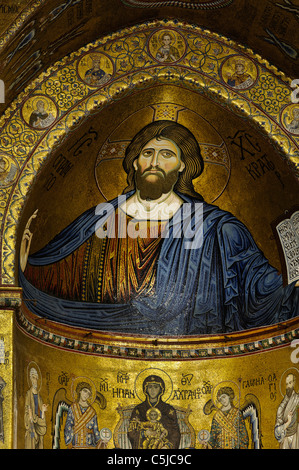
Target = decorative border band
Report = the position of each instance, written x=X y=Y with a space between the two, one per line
x=173 y=352
x=208 y=5
x=199 y=67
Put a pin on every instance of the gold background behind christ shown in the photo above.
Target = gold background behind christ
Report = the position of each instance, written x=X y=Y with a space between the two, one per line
x=255 y=203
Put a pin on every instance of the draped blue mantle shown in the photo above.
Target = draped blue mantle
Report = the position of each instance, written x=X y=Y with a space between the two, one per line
x=223 y=284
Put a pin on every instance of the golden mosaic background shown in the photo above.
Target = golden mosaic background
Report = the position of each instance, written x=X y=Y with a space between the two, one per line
x=189 y=386
x=89 y=118
x=71 y=101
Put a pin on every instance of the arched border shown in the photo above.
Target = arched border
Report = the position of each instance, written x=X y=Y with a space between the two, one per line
x=198 y=70
x=184 y=348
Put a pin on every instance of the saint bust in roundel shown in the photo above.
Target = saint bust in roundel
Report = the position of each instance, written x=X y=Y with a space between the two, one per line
x=167 y=52
x=239 y=73
x=157 y=260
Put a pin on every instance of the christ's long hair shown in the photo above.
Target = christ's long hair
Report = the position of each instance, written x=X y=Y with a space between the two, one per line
x=183 y=138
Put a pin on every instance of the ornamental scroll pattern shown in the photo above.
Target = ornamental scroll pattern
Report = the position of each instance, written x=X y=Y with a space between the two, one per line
x=180 y=352
x=196 y=5
x=114 y=67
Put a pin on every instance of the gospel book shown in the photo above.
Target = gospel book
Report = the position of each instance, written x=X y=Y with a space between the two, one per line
x=286 y=229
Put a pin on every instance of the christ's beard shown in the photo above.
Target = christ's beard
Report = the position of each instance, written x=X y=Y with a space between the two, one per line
x=153 y=185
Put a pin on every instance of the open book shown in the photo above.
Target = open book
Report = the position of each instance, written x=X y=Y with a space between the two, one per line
x=286 y=230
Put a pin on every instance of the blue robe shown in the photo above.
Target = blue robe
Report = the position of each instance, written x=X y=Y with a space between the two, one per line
x=225 y=284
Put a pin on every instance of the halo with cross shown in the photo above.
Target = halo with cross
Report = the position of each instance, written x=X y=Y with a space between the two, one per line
x=111 y=154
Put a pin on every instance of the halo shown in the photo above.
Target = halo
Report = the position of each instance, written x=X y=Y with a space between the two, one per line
x=156 y=411
x=2 y=157
x=169 y=33
x=230 y=64
x=295 y=110
x=291 y=370
x=97 y=55
x=112 y=151
x=94 y=54
x=147 y=373
x=240 y=61
x=34 y=365
x=226 y=383
x=40 y=98
x=76 y=381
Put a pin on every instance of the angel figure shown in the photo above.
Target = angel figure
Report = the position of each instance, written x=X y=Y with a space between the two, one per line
x=81 y=429
x=228 y=429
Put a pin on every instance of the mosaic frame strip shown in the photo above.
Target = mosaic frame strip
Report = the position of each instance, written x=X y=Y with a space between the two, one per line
x=66 y=342
x=208 y=5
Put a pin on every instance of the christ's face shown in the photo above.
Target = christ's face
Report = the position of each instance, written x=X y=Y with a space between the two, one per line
x=159 y=155
x=157 y=168
x=153 y=416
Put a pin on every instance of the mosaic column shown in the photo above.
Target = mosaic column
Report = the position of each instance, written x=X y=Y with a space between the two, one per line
x=10 y=300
